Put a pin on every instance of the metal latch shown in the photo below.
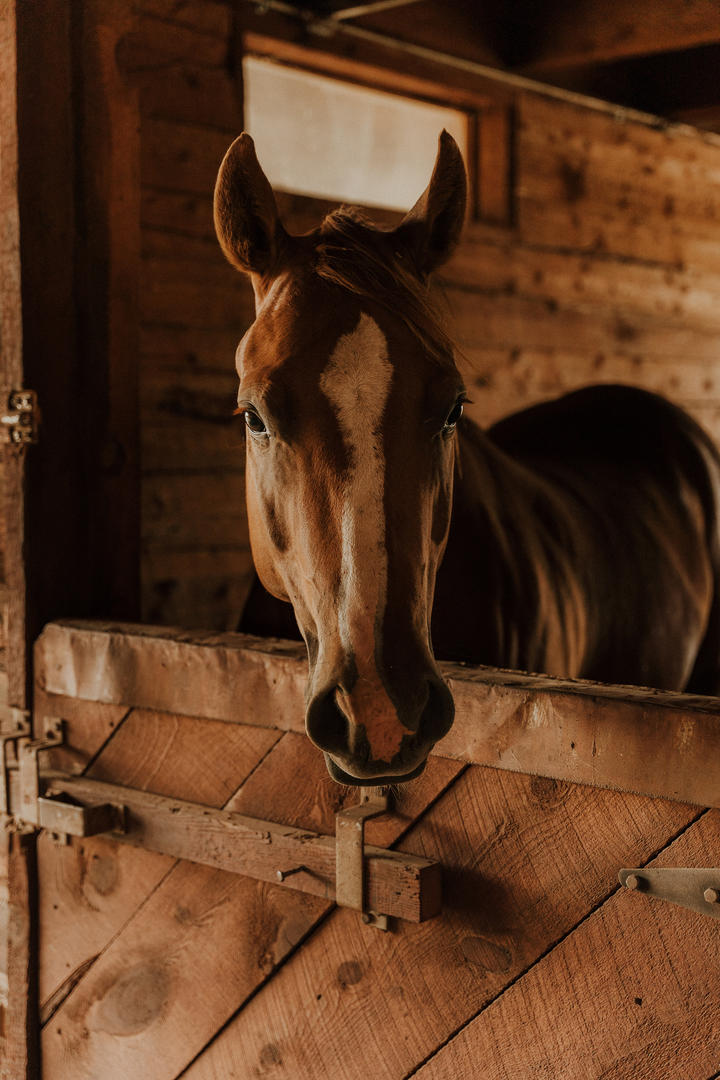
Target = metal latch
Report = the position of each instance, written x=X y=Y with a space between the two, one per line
x=19 y=421
x=350 y=853
x=59 y=817
x=696 y=888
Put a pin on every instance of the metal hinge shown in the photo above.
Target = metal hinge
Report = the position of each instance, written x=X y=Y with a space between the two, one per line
x=697 y=888
x=350 y=853
x=20 y=420
x=58 y=816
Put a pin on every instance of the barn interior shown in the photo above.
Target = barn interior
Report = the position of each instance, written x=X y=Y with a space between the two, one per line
x=591 y=254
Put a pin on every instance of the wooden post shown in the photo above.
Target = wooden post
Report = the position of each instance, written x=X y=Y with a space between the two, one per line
x=69 y=228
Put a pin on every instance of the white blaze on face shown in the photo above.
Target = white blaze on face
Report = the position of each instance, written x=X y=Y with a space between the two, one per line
x=356 y=382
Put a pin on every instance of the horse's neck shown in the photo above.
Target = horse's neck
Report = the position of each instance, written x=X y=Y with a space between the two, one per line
x=516 y=546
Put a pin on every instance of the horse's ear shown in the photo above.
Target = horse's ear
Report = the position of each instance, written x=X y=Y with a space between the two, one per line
x=246 y=217
x=432 y=228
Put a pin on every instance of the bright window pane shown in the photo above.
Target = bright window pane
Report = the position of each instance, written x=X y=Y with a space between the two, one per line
x=322 y=137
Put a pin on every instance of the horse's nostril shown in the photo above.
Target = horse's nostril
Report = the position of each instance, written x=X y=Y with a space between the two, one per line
x=326 y=724
x=439 y=711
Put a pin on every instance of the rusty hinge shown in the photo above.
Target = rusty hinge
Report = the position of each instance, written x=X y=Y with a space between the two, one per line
x=697 y=888
x=58 y=816
x=20 y=418
x=16 y=726
x=350 y=853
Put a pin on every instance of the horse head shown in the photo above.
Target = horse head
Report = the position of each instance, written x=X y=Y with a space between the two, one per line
x=350 y=397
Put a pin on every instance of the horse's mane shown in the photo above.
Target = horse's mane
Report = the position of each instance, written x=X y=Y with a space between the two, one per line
x=358 y=256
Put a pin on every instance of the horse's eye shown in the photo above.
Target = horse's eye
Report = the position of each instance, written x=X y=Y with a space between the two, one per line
x=454 y=415
x=254 y=423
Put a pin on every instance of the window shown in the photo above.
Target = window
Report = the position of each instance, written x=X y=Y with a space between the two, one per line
x=336 y=140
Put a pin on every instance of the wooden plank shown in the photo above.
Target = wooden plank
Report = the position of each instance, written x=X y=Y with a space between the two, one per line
x=203 y=943
x=182 y=157
x=11 y=369
x=524 y=860
x=92 y=887
x=107 y=297
x=198 y=294
x=493 y=184
x=632 y=993
x=405 y=886
x=500 y=381
x=588 y=181
x=18 y=988
x=568 y=729
x=482 y=320
x=196 y=589
x=590 y=33
x=189 y=348
x=157 y=42
x=186 y=511
x=88 y=726
x=206 y=16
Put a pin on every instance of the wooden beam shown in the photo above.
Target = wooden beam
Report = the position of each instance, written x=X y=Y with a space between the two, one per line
x=106 y=285
x=403 y=885
x=591 y=32
x=571 y=730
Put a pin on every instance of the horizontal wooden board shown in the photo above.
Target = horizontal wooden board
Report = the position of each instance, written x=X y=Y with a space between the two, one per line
x=207 y=294
x=592 y=182
x=567 y=729
x=206 y=16
x=186 y=511
x=185 y=348
x=198 y=589
x=182 y=157
x=158 y=42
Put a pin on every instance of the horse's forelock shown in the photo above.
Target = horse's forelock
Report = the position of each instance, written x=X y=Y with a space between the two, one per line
x=358 y=256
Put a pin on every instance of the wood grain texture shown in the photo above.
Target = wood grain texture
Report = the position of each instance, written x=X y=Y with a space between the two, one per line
x=587 y=181
x=18 y=989
x=590 y=33
x=524 y=860
x=567 y=729
x=202 y=943
x=91 y=887
x=633 y=993
x=400 y=885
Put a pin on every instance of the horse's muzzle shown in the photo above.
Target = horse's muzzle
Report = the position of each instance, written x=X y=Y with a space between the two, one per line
x=347 y=749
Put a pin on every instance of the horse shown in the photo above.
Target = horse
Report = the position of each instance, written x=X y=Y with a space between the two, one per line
x=576 y=538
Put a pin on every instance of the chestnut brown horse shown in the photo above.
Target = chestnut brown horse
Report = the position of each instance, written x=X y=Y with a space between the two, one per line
x=580 y=537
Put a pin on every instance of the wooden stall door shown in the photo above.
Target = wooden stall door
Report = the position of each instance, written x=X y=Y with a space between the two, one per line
x=538 y=966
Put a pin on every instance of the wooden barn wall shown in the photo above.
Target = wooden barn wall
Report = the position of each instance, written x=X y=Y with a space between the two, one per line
x=610 y=271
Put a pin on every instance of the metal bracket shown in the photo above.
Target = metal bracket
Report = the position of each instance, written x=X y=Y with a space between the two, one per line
x=62 y=819
x=19 y=728
x=696 y=888
x=19 y=421
x=350 y=853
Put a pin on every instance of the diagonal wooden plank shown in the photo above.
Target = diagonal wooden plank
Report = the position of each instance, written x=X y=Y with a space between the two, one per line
x=525 y=859
x=91 y=887
x=633 y=994
x=205 y=940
